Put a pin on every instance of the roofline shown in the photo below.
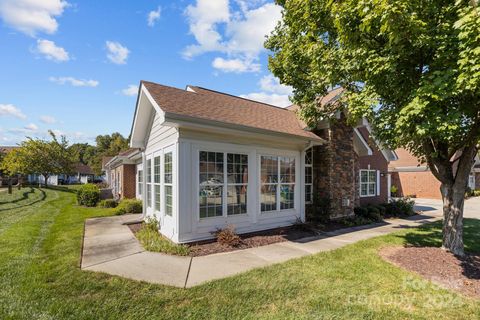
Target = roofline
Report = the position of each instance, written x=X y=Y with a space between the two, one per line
x=172 y=117
x=238 y=97
x=136 y=110
x=364 y=142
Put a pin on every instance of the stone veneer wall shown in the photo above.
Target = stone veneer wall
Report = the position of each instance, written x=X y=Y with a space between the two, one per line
x=335 y=167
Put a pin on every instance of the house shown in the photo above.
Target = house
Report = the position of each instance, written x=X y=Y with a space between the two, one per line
x=81 y=174
x=208 y=159
x=121 y=172
x=413 y=178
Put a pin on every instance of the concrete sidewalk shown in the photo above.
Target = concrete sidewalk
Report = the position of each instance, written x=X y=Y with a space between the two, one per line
x=110 y=247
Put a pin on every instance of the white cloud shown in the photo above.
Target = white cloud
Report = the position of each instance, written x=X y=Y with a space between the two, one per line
x=32 y=16
x=153 y=16
x=203 y=18
x=272 y=92
x=130 y=91
x=238 y=34
x=74 y=82
x=51 y=51
x=31 y=127
x=117 y=53
x=278 y=100
x=235 y=65
x=48 y=119
x=11 y=110
x=271 y=84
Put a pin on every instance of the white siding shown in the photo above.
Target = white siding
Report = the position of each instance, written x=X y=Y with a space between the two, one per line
x=159 y=135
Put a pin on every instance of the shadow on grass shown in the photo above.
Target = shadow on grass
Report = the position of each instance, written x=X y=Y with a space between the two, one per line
x=62 y=188
x=25 y=196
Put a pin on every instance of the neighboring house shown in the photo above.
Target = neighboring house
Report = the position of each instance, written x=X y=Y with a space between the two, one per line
x=121 y=172
x=209 y=159
x=81 y=174
x=413 y=178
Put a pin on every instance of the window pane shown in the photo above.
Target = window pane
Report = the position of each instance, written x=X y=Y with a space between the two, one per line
x=210 y=169
x=167 y=171
x=236 y=200
x=373 y=175
x=269 y=169
x=157 y=198
x=371 y=188
x=149 y=170
x=363 y=189
x=168 y=200
x=156 y=169
x=149 y=195
x=287 y=170
x=268 y=198
x=309 y=156
x=211 y=201
x=237 y=168
x=287 y=196
x=308 y=174
x=363 y=176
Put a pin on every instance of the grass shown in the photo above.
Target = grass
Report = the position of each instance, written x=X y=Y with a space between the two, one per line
x=153 y=241
x=40 y=243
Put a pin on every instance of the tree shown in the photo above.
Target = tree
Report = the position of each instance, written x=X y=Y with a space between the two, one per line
x=412 y=67
x=37 y=156
x=82 y=152
x=107 y=145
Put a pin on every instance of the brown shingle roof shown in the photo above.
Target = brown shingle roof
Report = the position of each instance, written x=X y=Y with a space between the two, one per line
x=128 y=152
x=7 y=149
x=216 y=106
x=330 y=97
x=83 y=169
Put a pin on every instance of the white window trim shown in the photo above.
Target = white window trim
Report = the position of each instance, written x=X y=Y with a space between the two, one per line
x=163 y=194
x=158 y=211
x=305 y=177
x=149 y=185
x=278 y=184
x=377 y=184
x=224 y=185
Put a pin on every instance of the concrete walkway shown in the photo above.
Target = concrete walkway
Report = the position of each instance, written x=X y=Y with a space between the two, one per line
x=110 y=247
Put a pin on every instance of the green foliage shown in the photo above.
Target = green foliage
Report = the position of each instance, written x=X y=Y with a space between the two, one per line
x=107 y=145
x=393 y=190
x=412 y=67
x=82 y=152
x=88 y=195
x=129 y=206
x=39 y=156
x=108 y=203
x=400 y=207
x=152 y=240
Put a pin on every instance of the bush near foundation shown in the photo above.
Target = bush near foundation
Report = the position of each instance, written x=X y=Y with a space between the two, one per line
x=129 y=206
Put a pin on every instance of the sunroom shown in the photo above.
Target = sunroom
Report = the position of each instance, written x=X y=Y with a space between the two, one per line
x=210 y=160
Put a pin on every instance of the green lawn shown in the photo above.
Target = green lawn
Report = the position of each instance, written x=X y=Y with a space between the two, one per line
x=40 y=241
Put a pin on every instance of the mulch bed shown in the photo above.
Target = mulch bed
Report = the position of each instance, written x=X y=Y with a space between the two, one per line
x=439 y=266
x=250 y=240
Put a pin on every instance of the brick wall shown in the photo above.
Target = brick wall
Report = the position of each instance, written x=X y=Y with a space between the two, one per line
x=129 y=181
x=419 y=184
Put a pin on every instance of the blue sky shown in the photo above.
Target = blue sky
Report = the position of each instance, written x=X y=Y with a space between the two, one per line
x=73 y=67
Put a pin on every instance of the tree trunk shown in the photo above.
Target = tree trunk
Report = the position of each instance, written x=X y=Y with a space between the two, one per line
x=46 y=176
x=9 y=185
x=453 y=201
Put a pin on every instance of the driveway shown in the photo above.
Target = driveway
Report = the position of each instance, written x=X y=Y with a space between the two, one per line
x=471 y=209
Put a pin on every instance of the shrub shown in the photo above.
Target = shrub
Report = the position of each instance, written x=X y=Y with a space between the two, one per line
x=476 y=193
x=88 y=195
x=228 y=237
x=401 y=207
x=153 y=241
x=108 y=203
x=360 y=211
x=129 y=206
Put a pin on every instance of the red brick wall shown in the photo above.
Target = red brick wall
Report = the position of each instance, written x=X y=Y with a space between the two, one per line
x=129 y=181
x=420 y=184
x=377 y=162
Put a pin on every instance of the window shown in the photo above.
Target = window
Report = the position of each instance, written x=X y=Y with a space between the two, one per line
x=237 y=181
x=156 y=182
x=140 y=181
x=309 y=176
x=368 y=183
x=214 y=180
x=168 y=182
x=277 y=183
x=149 y=183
